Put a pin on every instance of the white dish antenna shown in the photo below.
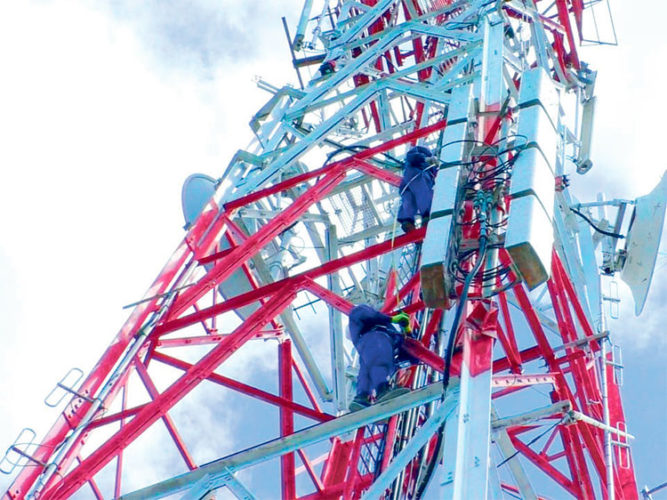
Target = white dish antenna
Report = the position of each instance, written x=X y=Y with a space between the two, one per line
x=197 y=190
x=643 y=242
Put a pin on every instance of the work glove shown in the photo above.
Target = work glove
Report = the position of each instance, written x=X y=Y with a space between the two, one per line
x=403 y=319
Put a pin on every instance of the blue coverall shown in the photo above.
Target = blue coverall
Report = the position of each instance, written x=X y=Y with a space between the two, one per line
x=375 y=338
x=416 y=187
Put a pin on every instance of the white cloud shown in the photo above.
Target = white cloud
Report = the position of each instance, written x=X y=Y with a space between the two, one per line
x=98 y=132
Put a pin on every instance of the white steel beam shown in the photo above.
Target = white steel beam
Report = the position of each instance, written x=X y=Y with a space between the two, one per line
x=425 y=432
x=467 y=438
x=336 y=328
x=509 y=453
x=287 y=444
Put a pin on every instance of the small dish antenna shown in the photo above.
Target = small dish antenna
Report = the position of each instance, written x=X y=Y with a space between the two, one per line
x=643 y=242
x=197 y=190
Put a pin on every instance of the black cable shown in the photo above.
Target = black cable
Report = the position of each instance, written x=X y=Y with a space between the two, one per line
x=479 y=169
x=426 y=478
x=529 y=443
x=459 y=311
x=431 y=466
x=592 y=224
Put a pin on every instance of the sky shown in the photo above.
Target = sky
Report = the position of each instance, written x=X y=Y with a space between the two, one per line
x=106 y=107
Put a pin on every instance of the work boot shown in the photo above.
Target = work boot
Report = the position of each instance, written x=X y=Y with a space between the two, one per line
x=327 y=68
x=359 y=403
x=407 y=226
x=385 y=392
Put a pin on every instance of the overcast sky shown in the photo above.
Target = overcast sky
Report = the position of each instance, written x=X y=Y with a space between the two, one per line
x=106 y=107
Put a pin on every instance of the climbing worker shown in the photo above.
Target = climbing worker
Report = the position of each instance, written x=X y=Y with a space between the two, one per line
x=377 y=342
x=327 y=67
x=416 y=187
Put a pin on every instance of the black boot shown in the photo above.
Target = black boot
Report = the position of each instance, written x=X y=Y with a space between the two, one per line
x=407 y=226
x=359 y=403
x=385 y=392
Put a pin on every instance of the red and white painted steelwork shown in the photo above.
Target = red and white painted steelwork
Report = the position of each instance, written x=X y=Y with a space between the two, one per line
x=244 y=324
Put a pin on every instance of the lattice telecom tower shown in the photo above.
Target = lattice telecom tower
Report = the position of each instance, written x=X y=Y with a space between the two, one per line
x=233 y=376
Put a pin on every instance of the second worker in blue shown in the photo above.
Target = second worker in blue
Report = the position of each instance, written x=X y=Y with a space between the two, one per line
x=377 y=341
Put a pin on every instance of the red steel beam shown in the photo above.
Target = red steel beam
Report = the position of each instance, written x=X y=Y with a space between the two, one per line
x=378 y=173
x=331 y=298
x=346 y=162
x=168 y=422
x=588 y=389
x=577 y=463
x=93 y=485
x=225 y=267
x=167 y=399
x=527 y=355
x=536 y=327
x=248 y=390
x=512 y=350
x=287 y=461
x=411 y=285
x=73 y=414
x=213 y=339
x=542 y=463
x=573 y=448
x=119 y=458
x=353 y=465
x=568 y=287
x=308 y=466
x=305 y=386
x=586 y=392
x=298 y=281
x=390 y=436
x=625 y=478
x=249 y=247
x=564 y=18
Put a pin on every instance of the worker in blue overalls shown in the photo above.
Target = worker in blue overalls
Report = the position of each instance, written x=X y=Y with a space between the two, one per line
x=377 y=341
x=416 y=187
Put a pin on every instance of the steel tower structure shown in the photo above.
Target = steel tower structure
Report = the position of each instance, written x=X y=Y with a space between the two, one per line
x=514 y=387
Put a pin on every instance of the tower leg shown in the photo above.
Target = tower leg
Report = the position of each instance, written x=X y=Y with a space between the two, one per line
x=474 y=423
x=467 y=438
